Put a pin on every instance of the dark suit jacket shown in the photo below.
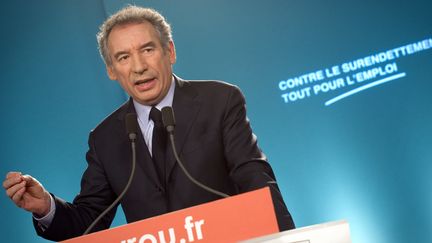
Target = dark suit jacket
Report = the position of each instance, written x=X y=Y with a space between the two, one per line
x=214 y=140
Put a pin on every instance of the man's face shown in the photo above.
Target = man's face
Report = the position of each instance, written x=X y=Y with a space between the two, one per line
x=139 y=62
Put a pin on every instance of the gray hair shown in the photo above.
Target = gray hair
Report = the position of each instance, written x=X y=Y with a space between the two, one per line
x=132 y=14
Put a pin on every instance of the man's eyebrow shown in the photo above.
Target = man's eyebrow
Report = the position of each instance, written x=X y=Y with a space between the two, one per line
x=147 y=44
x=150 y=43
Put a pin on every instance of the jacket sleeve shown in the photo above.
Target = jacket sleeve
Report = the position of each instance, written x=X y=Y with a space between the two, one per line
x=248 y=166
x=72 y=219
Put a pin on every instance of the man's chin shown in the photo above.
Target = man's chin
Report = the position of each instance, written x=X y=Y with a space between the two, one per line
x=147 y=100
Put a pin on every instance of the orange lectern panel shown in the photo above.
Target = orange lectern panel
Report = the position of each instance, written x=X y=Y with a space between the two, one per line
x=231 y=219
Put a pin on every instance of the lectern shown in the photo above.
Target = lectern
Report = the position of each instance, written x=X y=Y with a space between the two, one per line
x=232 y=219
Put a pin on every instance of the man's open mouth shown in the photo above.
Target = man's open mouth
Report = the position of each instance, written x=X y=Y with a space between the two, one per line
x=143 y=81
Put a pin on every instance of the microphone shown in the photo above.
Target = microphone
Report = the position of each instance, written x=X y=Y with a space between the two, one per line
x=169 y=123
x=168 y=119
x=132 y=130
x=131 y=125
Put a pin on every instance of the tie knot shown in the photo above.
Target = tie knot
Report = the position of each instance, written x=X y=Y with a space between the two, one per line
x=156 y=116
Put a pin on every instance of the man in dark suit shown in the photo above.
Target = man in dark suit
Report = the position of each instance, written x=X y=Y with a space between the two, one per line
x=213 y=137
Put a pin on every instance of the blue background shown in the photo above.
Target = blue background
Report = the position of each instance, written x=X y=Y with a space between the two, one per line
x=366 y=159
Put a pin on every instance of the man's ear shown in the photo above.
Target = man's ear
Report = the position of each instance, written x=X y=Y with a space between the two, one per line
x=110 y=72
x=172 y=52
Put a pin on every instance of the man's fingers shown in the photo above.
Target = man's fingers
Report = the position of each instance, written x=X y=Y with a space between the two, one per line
x=15 y=188
x=26 y=192
x=30 y=180
x=17 y=197
x=27 y=178
x=12 y=181
x=34 y=187
x=13 y=174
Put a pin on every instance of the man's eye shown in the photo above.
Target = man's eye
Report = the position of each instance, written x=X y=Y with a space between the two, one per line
x=122 y=58
x=148 y=50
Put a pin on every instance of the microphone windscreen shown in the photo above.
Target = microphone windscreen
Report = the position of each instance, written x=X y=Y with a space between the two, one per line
x=131 y=123
x=168 y=116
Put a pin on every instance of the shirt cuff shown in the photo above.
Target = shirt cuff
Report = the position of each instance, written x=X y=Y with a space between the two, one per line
x=45 y=221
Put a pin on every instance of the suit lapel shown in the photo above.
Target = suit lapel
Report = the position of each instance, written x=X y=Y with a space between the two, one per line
x=186 y=107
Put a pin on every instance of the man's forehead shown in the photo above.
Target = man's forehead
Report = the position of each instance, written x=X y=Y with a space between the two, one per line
x=138 y=33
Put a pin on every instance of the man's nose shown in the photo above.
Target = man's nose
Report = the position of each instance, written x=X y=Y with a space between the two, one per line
x=139 y=64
